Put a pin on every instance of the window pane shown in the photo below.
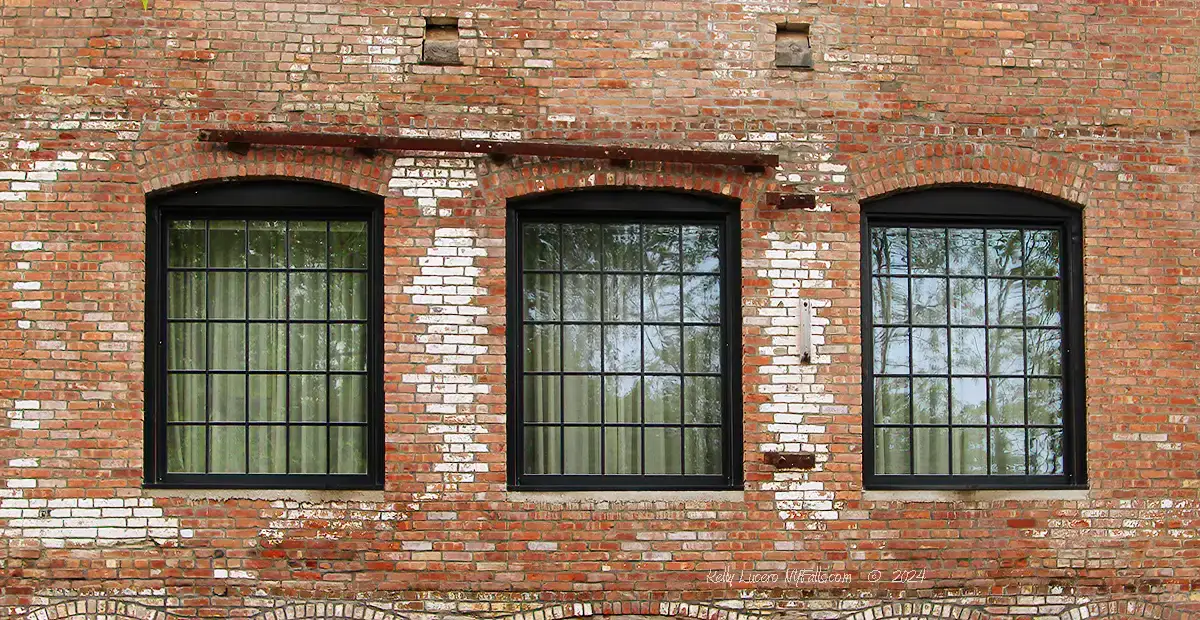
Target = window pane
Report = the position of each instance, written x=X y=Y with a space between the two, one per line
x=967 y=351
x=929 y=301
x=702 y=349
x=581 y=348
x=701 y=249
x=542 y=347
x=1004 y=302
x=307 y=349
x=1042 y=304
x=348 y=450
x=348 y=296
x=227 y=295
x=1045 y=451
x=307 y=398
x=185 y=244
x=227 y=346
x=661 y=298
x=929 y=350
x=185 y=346
x=268 y=450
x=966 y=251
x=970 y=401
x=1004 y=252
x=702 y=299
x=308 y=299
x=228 y=398
x=889 y=300
x=967 y=301
x=268 y=399
x=542 y=301
x=622 y=247
x=891 y=400
x=348 y=347
x=186 y=449
x=622 y=400
x=892 y=450
x=581 y=297
x=582 y=449
x=702 y=400
x=228 y=450
x=661 y=348
x=890 y=353
x=931 y=400
x=1006 y=351
x=1008 y=451
x=348 y=398
x=227 y=244
x=662 y=247
x=581 y=247
x=662 y=397
x=623 y=348
x=582 y=399
x=268 y=245
x=348 y=249
x=931 y=450
x=889 y=250
x=186 y=398
x=622 y=450
x=307 y=245
x=702 y=451
x=664 y=451
x=1007 y=402
x=541 y=398
x=268 y=346
x=970 y=451
x=543 y=450
x=1045 y=401
x=1042 y=253
x=268 y=295
x=186 y=297
x=539 y=246
x=307 y=444
x=1045 y=352
x=928 y=250
x=622 y=298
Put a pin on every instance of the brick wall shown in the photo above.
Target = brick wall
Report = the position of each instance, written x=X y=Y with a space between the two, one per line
x=100 y=103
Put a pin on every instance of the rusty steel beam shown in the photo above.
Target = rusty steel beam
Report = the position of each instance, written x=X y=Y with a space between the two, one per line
x=791 y=201
x=752 y=162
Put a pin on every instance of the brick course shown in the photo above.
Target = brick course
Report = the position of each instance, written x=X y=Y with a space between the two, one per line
x=1093 y=104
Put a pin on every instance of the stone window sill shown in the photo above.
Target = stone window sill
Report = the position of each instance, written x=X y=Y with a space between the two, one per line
x=295 y=495
x=997 y=495
x=592 y=497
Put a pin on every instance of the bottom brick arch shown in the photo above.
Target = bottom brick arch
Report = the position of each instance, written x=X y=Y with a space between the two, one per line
x=108 y=609
x=918 y=610
x=1124 y=610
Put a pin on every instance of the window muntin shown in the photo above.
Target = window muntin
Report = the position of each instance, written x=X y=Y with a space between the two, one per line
x=264 y=371
x=624 y=359
x=972 y=379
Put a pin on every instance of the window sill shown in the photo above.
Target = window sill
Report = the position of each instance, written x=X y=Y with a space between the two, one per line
x=990 y=495
x=591 y=497
x=309 y=496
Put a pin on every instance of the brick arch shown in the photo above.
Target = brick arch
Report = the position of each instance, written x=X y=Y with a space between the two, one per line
x=914 y=610
x=631 y=608
x=499 y=183
x=1122 y=610
x=929 y=164
x=84 y=608
x=333 y=610
x=183 y=163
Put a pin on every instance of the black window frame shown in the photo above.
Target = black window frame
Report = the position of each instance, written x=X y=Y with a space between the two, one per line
x=985 y=207
x=266 y=199
x=633 y=206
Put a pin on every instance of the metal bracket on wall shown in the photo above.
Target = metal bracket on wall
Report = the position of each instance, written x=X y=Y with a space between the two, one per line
x=781 y=200
x=806 y=345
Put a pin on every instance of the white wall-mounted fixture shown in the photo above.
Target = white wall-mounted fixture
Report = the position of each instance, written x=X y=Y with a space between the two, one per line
x=806 y=340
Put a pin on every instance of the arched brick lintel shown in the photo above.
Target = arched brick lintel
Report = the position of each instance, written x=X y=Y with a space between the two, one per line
x=632 y=608
x=931 y=164
x=89 y=608
x=1130 y=608
x=498 y=184
x=184 y=163
x=918 y=609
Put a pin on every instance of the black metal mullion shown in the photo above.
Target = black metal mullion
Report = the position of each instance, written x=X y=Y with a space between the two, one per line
x=328 y=346
x=562 y=360
x=682 y=355
x=987 y=361
x=949 y=365
x=912 y=440
x=207 y=350
x=1025 y=347
x=246 y=366
x=287 y=348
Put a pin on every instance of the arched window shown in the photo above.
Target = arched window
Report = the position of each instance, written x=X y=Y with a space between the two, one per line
x=264 y=330
x=624 y=342
x=973 y=341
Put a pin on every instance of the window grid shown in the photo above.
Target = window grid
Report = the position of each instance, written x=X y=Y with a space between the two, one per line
x=878 y=273
x=287 y=372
